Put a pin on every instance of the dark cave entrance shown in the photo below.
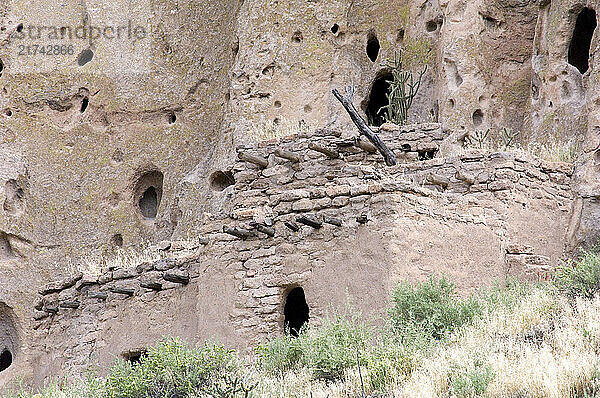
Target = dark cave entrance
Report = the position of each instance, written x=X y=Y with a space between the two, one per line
x=378 y=99
x=149 y=203
x=373 y=46
x=295 y=311
x=579 y=49
x=5 y=360
x=148 y=194
x=135 y=357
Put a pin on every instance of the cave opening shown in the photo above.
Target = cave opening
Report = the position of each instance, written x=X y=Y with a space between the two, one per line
x=219 y=180
x=378 y=98
x=171 y=118
x=84 y=104
x=6 y=360
x=148 y=193
x=135 y=357
x=579 y=49
x=296 y=312
x=149 y=203
x=373 y=46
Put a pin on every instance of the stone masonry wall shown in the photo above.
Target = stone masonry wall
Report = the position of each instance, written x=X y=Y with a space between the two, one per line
x=475 y=216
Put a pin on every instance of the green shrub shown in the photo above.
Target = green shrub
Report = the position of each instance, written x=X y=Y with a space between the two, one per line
x=467 y=383
x=171 y=369
x=90 y=387
x=280 y=354
x=327 y=351
x=387 y=363
x=430 y=310
x=506 y=296
x=581 y=278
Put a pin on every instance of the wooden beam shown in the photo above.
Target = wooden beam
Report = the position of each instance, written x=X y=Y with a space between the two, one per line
x=260 y=162
x=291 y=156
x=330 y=153
x=265 y=230
x=346 y=101
x=332 y=220
x=292 y=225
x=365 y=145
x=238 y=232
x=310 y=221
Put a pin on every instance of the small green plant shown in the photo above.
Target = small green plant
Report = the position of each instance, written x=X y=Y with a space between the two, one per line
x=468 y=383
x=281 y=354
x=478 y=139
x=581 y=278
x=403 y=89
x=430 y=310
x=387 y=363
x=508 y=137
x=592 y=388
x=327 y=351
x=556 y=151
x=171 y=369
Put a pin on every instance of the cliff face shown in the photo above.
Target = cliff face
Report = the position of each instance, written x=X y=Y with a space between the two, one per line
x=109 y=143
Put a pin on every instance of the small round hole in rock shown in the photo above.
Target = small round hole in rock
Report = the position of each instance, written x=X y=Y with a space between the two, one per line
x=478 y=118
x=406 y=147
x=6 y=360
x=20 y=27
x=117 y=240
x=84 y=104
x=277 y=104
x=335 y=28
x=297 y=37
x=431 y=26
x=296 y=311
x=8 y=112
x=373 y=46
x=85 y=57
x=171 y=117
x=219 y=180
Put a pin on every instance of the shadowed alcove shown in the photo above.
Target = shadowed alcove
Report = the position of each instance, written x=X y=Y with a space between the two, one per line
x=8 y=337
x=579 y=49
x=378 y=98
x=373 y=46
x=295 y=311
x=148 y=193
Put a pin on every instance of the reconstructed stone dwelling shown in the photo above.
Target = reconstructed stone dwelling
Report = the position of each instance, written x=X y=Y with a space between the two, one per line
x=227 y=154
x=309 y=222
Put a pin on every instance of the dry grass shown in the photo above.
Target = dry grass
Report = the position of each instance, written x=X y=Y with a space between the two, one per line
x=554 y=151
x=275 y=130
x=95 y=264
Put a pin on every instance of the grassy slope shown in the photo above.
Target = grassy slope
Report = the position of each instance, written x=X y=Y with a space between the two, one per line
x=521 y=340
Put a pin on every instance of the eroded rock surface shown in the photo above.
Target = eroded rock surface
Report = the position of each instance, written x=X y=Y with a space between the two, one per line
x=123 y=142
